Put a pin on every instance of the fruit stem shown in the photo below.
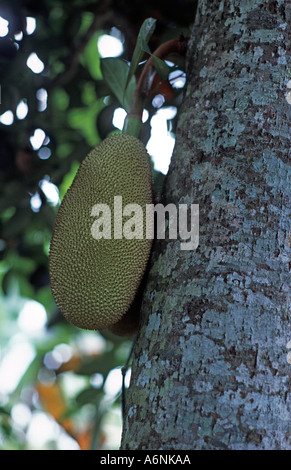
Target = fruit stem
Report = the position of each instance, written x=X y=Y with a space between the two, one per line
x=133 y=120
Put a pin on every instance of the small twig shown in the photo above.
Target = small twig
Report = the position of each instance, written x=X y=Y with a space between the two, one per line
x=181 y=75
x=143 y=87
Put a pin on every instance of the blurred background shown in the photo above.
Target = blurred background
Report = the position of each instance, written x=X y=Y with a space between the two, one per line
x=60 y=386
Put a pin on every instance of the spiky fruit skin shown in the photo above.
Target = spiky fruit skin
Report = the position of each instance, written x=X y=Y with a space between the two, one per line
x=94 y=282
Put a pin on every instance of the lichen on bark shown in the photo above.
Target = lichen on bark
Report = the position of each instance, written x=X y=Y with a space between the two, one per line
x=210 y=366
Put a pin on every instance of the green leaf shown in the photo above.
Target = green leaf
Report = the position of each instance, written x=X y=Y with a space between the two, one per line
x=161 y=67
x=115 y=73
x=30 y=374
x=84 y=119
x=60 y=99
x=91 y=56
x=104 y=363
x=90 y=395
x=145 y=32
x=145 y=47
x=45 y=297
x=100 y=364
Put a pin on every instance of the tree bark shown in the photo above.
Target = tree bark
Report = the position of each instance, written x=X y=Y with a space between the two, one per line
x=210 y=367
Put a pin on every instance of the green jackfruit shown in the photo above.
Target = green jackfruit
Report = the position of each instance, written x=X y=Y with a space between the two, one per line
x=94 y=281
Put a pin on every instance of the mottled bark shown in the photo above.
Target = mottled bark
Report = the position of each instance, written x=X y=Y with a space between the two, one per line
x=210 y=368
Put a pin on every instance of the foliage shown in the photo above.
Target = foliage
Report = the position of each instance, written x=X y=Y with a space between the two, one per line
x=70 y=106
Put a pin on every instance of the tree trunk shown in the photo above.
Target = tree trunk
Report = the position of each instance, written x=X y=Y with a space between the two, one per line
x=210 y=368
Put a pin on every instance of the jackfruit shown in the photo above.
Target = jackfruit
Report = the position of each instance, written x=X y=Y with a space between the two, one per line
x=94 y=281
